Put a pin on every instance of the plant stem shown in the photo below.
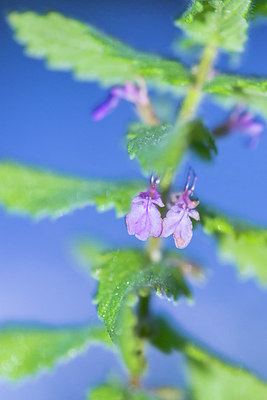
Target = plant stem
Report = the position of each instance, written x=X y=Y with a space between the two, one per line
x=187 y=112
x=147 y=114
x=194 y=95
x=190 y=104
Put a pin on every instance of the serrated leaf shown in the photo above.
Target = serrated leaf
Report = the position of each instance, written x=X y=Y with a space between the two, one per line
x=243 y=244
x=122 y=272
x=68 y=44
x=233 y=88
x=160 y=148
x=28 y=349
x=258 y=8
x=45 y=194
x=211 y=377
x=221 y=22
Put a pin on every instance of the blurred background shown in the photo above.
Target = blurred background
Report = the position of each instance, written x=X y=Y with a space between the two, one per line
x=46 y=121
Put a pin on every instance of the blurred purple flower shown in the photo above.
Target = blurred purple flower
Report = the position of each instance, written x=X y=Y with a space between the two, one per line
x=129 y=92
x=244 y=122
x=144 y=219
x=177 y=220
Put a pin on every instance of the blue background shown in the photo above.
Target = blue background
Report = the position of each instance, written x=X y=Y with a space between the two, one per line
x=45 y=121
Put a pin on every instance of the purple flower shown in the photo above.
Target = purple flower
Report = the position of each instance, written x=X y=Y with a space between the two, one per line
x=244 y=121
x=177 y=220
x=129 y=92
x=144 y=219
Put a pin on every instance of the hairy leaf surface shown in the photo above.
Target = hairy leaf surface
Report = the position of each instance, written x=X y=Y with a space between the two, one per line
x=45 y=194
x=27 y=349
x=221 y=22
x=124 y=271
x=67 y=44
x=160 y=148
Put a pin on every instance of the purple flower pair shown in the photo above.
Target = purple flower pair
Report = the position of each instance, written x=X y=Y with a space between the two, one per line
x=145 y=220
x=129 y=92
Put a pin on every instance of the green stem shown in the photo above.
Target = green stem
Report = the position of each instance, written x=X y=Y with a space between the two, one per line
x=194 y=95
x=149 y=117
x=190 y=104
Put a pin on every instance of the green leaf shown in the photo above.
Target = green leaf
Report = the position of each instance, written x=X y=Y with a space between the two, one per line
x=43 y=194
x=202 y=142
x=115 y=391
x=130 y=344
x=28 y=349
x=234 y=88
x=124 y=271
x=67 y=44
x=258 y=8
x=221 y=22
x=211 y=377
x=160 y=148
x=239 y=242
x=147 y=145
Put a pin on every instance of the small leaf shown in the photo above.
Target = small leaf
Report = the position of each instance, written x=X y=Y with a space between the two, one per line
x=160 y=148
x=201 y=141
x=211 y=377
x=43 y=194
x=221 y=22
x=68 y=44
x=239 y=242
x=28 y=349
x=233 y=88
x=124 y=271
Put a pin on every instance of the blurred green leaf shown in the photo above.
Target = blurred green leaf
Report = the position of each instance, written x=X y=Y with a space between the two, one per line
x=214 y=379
x=121 y=272
x=210 y=376
x=68 y=44
x=160 y=148
x=239 y=242
x=201 y=141
x=115 y=391
x=44 y=194
x=27 y=349
x=237 y=89
x=221 y=22
x=130 y=344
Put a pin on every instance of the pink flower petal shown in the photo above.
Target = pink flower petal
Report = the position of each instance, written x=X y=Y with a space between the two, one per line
x=183 y=233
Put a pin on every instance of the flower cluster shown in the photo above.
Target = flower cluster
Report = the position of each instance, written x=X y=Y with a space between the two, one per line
x=129 y=92
x=145 y=219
